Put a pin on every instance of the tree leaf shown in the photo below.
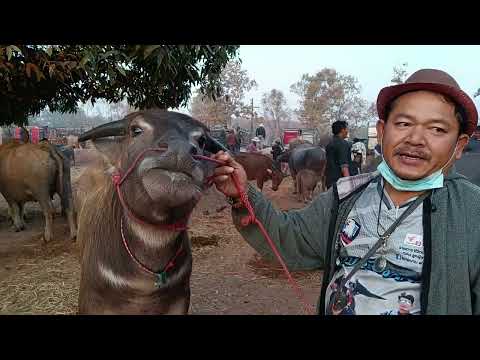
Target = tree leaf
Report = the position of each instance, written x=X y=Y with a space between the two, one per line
x=13 y=47
x=28 y=69
x=38 y=72
x=51 y=68
x=120 y=69
x=84 y=60
x=9 y=53
x=49 y=51
x=149 y=49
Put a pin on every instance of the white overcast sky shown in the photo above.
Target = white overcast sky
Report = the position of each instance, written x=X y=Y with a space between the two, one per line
x=279 y=66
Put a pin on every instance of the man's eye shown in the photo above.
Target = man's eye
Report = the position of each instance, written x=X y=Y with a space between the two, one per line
x=136 y=131
x=439 y=130
x=403 y=124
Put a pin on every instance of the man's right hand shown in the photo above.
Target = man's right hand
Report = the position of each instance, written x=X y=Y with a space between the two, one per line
x=223 y=175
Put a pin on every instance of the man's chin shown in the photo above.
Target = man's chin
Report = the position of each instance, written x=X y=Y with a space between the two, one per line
x=410 y=175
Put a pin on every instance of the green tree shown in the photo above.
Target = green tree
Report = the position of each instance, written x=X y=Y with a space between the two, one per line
x=59 y=77
x=206 y=110
x=275 y=108
x=234 y=83
x=329 y=96
x=399 y=74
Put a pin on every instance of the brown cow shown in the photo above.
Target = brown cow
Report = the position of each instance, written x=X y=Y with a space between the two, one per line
x=307 y=180
x=261 y=168
x=132 y=259
x=35 y=172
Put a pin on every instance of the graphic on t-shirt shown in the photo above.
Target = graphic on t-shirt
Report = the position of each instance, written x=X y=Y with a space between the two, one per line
x=349 y=232
x=405 y=305
x=342 y=299
x=414 y=240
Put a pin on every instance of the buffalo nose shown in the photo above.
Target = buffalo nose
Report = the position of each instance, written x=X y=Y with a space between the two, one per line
x=193 y=150
x=182 y=148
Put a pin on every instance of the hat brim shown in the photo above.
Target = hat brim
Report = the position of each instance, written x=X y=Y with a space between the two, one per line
x=390 y=93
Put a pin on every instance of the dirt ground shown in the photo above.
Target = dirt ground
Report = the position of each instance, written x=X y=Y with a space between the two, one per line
x=228 y=276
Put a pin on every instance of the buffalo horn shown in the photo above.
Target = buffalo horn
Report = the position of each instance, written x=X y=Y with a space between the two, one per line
x=115 y=128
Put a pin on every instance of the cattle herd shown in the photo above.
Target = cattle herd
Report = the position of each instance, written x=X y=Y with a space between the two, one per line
x=135 y=254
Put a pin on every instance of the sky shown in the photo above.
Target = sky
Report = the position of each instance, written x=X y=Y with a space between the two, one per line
x=278 y=67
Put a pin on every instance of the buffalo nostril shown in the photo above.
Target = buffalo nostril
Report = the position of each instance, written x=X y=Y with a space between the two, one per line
x=193 y=150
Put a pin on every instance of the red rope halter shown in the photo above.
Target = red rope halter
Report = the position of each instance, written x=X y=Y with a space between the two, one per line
x=250 y=219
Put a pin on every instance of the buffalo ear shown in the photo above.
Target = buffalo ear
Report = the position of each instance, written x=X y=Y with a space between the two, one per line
x=110 y=150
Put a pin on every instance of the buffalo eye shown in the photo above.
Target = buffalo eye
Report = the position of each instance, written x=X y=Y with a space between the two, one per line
x=136 y=130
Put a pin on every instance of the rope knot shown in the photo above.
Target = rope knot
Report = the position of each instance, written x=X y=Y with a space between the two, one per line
x=247 y=220
x=117 y=179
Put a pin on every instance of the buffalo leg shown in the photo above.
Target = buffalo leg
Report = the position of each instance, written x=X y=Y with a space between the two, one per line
x=294 y=177
x=48 y=211
x=71 y=222
x=15 y=213
x=299 y=188
x=23 y=216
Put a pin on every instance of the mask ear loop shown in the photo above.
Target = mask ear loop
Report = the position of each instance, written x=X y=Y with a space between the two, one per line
x=451 y=157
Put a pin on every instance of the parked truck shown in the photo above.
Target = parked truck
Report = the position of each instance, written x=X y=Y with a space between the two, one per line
x=310 y=135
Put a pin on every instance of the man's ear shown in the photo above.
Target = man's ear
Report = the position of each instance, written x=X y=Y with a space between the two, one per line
x=380 y=131
x=110 y=150
x=461 y=143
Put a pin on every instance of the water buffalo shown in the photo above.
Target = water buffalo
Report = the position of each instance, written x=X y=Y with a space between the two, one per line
x=134 y=248
x=261 y=168
x=311 y=157
x=307 y=181
x=68 y=151
x=35 y=172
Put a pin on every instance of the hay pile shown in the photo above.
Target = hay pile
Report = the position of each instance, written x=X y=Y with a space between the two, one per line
x=42 y=285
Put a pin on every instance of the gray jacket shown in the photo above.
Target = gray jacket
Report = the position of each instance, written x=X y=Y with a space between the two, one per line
x=451 y=225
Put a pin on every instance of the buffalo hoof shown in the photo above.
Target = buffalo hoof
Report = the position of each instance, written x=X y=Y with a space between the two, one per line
x=18 y=228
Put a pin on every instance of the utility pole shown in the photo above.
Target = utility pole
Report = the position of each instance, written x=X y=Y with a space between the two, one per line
x=253 y=115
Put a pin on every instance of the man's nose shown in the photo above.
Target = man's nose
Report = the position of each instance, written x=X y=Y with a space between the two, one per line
x=416 y=136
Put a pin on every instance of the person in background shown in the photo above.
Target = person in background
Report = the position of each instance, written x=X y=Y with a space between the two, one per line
x=261 y=134
x=238 y=139
x=338 y=154
x=277 y=149
x=231 y=141
x=253 y=147
x=223 y=136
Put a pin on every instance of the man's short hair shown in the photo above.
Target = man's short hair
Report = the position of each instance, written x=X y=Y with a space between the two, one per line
x=338 y=126
x=408 y=297
x=460 y=112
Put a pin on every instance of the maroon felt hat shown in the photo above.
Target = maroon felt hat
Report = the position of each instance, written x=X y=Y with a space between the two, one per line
x=431 y=80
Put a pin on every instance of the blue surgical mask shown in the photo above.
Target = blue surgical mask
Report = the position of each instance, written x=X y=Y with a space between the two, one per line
x=433 y=181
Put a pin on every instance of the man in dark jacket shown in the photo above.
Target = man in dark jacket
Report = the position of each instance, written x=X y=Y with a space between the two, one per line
x=409 y=230
x=277 y=149
x=338 y=154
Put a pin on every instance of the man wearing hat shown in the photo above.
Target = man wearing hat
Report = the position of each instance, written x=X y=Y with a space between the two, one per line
x=409 y=227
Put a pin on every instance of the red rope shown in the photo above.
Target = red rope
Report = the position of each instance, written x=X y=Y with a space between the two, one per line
x=118 y=180
x=251 y=219
x=167 y=267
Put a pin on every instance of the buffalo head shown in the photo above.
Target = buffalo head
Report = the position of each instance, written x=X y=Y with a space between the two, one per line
x=164 y=185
